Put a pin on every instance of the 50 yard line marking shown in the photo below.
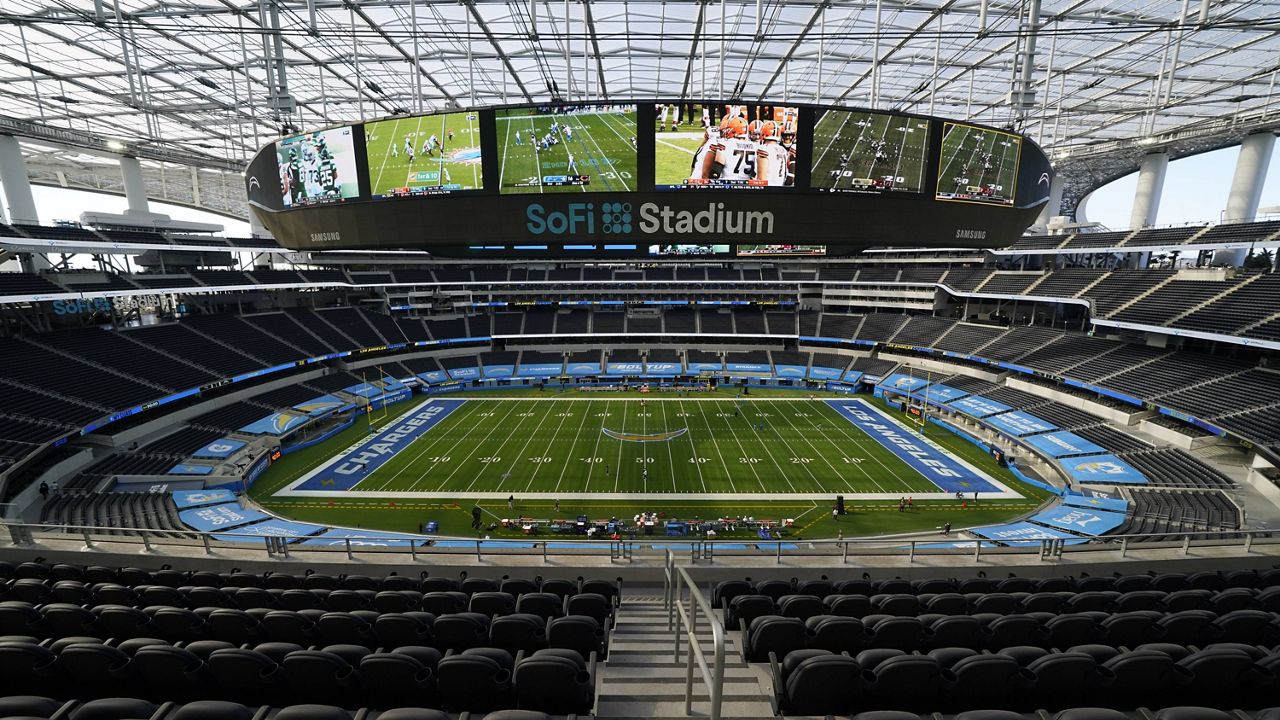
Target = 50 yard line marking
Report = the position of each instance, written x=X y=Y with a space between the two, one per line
x=671 y=459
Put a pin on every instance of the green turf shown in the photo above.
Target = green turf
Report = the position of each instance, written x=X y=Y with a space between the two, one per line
x=673 y=155
x=602 y=148
x=752 y=446
x=844 y=156
x=456 y=162
x=813 y=517
x=963 y=150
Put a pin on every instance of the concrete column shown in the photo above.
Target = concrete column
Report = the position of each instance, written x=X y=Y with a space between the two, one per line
x=1251 y=173
x=17 y=186
x=135 y=190
x=1053 y=208
x=1146 y=200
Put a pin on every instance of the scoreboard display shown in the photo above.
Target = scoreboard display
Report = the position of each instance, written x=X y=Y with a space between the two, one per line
x=660 y=179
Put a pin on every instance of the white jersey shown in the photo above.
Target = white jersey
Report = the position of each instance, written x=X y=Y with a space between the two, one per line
x=738 y=158
x=312 y=182
x=771 y=162
x=706 y=149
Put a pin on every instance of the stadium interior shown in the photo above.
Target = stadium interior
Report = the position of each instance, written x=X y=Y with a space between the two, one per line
x=622 y=360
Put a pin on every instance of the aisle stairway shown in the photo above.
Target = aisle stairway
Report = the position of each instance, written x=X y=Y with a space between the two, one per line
x=641 y=680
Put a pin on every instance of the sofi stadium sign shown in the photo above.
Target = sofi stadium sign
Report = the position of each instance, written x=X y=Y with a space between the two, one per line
x=101 y=304
x=648 y=218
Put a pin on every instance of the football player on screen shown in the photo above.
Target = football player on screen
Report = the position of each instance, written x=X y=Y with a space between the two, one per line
x=772 y=159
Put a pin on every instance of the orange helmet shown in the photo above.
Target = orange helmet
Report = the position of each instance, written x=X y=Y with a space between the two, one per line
x=754 y=128
x=771 y=131
x=733 y=127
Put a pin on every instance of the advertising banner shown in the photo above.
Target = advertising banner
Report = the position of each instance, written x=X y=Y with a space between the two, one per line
x=1019 y=424
x=978 y=406
x=1064 y=444
x=195 y=498
x=220 y=517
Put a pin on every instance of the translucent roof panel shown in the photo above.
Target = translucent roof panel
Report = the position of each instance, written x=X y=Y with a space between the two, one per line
x=226 y=76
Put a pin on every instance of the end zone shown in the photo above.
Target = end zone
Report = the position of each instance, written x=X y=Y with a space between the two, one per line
x=934 y=462
x=351 y=466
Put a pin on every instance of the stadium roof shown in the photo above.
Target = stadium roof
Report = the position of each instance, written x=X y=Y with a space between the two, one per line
x=219 y=78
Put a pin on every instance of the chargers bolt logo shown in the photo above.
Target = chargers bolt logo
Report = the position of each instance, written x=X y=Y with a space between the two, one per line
x=616 y=218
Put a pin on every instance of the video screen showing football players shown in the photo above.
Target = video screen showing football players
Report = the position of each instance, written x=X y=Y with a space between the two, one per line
x=567 y=149
x=978 y=164
x=781 y=250
x=724 y=146
x=427 y=155
x=867 y=152
x=317 y=167
x=689 y=249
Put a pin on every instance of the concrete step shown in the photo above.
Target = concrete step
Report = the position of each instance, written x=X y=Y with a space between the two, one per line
x=674 y=690
x=647 y=710
x=662 y=657
x=646 y=673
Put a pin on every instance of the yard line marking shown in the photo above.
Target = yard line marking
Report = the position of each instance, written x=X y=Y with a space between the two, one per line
x=539 y=465
x=573 y=449
x=781 y=473
x=502 y=449
x=749 y=464
x=821 y=455
x=441 y=437
x=694 y=448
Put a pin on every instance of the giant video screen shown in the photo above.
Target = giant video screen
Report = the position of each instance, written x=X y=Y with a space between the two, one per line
x=567 y=149
x=698 y=146
x=866 y=152
x=426 y=155
x=318 y=167
x=978 y=165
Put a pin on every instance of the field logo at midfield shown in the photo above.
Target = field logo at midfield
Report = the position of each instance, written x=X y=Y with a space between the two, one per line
x=651 y=437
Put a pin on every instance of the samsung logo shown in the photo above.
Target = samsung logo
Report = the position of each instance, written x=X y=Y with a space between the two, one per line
x=325 y=237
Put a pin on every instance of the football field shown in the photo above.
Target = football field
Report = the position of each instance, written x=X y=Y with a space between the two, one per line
x=704 y=449
x=453 y=165
x=601 y=144
x=861 y=151
x=978 y=164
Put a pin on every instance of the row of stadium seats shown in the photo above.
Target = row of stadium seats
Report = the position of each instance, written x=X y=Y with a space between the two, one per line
x=346 y=676
x=583 y=634
x=33 y=707
x=987 y=631
x=908 y=605
x=310 y=580
x=1166 y=582
x=817 y=682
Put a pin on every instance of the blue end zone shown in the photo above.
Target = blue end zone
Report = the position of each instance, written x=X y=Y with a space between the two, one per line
x=358 y=461
x=938 y=468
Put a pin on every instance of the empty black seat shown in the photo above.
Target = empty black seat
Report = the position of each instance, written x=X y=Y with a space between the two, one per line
x=475 y=680
x=324 y=676
x=554 y=681
x=818 y=683
x=398 y=679
x=774 y=634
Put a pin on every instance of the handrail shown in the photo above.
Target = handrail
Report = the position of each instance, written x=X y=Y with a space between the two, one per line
x=836 y=549
x=682 y=620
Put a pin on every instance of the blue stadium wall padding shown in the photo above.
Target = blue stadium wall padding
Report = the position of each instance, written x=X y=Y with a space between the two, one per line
x=221 y=448
x=1085 y=521
x=1019 y=424
x=275 y=424
x=1105 y=468
x=184 y=499
x=978 y=406
x=939 y=393
x=274 y=527
x=322 y=405
x=1064 y=444
x=220 y=517
x=1090 y=501
x=901 y=382
x=1024 y=531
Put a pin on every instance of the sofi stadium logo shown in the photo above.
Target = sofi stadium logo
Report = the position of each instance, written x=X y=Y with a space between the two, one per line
x=648 y=218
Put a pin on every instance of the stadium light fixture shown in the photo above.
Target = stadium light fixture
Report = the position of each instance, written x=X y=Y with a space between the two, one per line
x=115 y=145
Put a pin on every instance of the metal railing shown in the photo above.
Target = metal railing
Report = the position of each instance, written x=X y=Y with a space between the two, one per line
x=686 y=608
x=626 y=551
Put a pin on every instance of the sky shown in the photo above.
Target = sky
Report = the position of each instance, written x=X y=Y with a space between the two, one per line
x=53 y=203
x=1195 y=191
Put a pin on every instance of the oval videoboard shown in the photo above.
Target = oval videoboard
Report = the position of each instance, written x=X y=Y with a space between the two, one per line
x=658 y=179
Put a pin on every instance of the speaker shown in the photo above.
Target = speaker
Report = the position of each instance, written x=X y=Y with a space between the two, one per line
x=839 y=504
